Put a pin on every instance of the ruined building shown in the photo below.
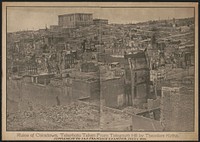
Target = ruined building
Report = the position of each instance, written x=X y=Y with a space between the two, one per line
x=137 y=79
x=112 y=92
x=177 y=109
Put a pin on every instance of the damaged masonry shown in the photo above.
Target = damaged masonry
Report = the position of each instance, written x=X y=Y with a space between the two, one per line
x=86 y=73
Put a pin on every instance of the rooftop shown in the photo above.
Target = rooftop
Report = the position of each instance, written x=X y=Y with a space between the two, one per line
x=75 y=14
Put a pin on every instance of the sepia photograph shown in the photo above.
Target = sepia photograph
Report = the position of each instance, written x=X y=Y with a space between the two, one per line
x=100 y=71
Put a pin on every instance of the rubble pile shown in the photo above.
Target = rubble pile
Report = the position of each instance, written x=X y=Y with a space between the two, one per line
x=73 y=116
x=14 y=120
x=119 y=115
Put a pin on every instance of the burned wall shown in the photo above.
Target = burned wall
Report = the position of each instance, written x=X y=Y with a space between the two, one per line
x=85 y=89
x=21 y=94
x=112 y=91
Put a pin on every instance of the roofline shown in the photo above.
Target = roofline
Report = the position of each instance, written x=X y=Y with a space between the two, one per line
x=75 y=14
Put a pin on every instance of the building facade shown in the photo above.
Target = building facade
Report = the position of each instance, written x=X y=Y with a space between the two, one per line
x=74 y=20
x=67 y=59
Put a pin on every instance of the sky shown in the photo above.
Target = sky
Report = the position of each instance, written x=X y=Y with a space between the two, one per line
x=33 y=18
